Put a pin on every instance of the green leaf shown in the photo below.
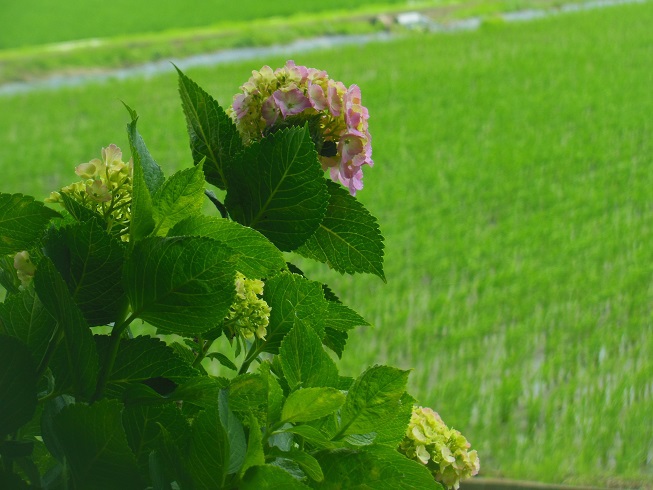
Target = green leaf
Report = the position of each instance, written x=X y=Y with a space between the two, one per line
x=8 y=278
x=307 y=463
x=208 y=457
x=373 y=400
x=374 y=467
x=348 y=239
x=202 y=391
x=182 y=285
x=143 y=428
x=25 y=318
x=310 y=434
x=248 y=394
x=79 y=352
x=394 y=430
x=255 y=455
x=278 y=188
x=213 y=134
x=12 y=481
x=305 y=363
x=292 y=296
x=152 y=173
x=142 y=213
x=235 y=434
x=224 y=360
x=258 y=257
x=274 y=394
x=268 y=477
x=95 y=446
x=335 y=340
x=181 y=196
x=78 y=211
x=17 y=385
x=309 y=404
x=22 y=222
x=341 y=317
x=90 y=261
x=141 y=359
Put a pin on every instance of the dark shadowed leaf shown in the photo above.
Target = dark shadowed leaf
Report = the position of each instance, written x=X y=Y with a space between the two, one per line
x=22 y=222
x=95 y=445
x=268 y=477
x=17 y=385
x=278 y=188
x=80 y=359
x=208 y=458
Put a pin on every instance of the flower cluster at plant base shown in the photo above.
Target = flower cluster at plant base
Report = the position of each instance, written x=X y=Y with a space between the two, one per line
x=249 y=315
x=296 y=95
x=106 y=189
x=443 y=450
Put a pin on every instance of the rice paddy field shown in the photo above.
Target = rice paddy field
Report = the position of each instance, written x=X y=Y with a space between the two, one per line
x=513 y=183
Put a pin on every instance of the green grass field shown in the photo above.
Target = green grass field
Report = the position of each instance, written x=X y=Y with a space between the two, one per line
x=513 y=184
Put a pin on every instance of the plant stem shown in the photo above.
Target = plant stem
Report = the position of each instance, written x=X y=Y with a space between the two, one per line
x=205 y=346
x=253 y=354
x=116 y=334
x=216 y=202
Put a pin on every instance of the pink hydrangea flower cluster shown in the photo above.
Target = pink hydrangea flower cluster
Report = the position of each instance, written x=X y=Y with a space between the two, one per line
x=292 y=95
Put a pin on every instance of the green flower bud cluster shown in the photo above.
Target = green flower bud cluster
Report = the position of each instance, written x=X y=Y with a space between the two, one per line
x=25 y=268
x=249 y=315
x=443 y=450
x=106 y=189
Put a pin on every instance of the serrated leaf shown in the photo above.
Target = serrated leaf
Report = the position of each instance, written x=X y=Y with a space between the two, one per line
x=374 y=467
x=90 y=261
x=17 y=385
x=304 y=361
x=152 y=173
x=141 y=359
x=22 y=222
x=235 y=434
x=181 y=196
x=141 y=222
x=335 y=340
x=23 y=316
x=308 y=404
x=77 y=211
x=341 y=317
x=394 y=430
x=348 y=239
x=278 y=188
x=307 y=463
x=274 y=394
x=8 y=277
x=95 y=445
x=311 y=435
x=258 y=258
x=182 y=285
x=208 y=457
x=373 y=400
x=268 y=477
x=212 y=133
x=78 y=350
x=291 y=296
x=248 y=394
x=202 y=391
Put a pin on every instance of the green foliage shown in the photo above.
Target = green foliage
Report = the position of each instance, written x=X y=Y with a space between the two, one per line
x=114 y=410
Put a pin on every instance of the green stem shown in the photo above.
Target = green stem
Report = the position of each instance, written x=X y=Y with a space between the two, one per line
x=51 y=349
x=116 y=334
x=216 y=202
x=205 y=346
x=254 y=351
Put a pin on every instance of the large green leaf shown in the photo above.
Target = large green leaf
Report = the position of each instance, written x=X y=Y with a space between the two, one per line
x=95 y=445
x=248 y=393
x=152 y=173
x=24 y=317
x=341 y=317
x=278 y=188
x=143 y=426
x=255 y=455
x=268 y=477
x=182 y=285
x=235 y=433
x=213 y=134
x=373 y=400
x=394 y=430
x=17 y=385
x=90 y=261
x=22 y=221
x=141 y=359
x=80 y=359
x=258 y=258
x=304 y=361
x=308 y=404
x=182 y=195
x=348 y=239
x=208 y=457
x=142 y=214
x=374 y=467
x=292 y=296
x=274 y=394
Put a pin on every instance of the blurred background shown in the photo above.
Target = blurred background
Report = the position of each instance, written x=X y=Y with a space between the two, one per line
x=513 y=172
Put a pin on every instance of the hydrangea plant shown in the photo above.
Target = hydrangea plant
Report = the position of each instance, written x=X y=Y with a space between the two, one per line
x=124 y=298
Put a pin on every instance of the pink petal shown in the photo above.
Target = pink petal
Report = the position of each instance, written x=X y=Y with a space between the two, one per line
x=270 y=111
x=317 y=97
x=349 y=146
x=291 y=102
